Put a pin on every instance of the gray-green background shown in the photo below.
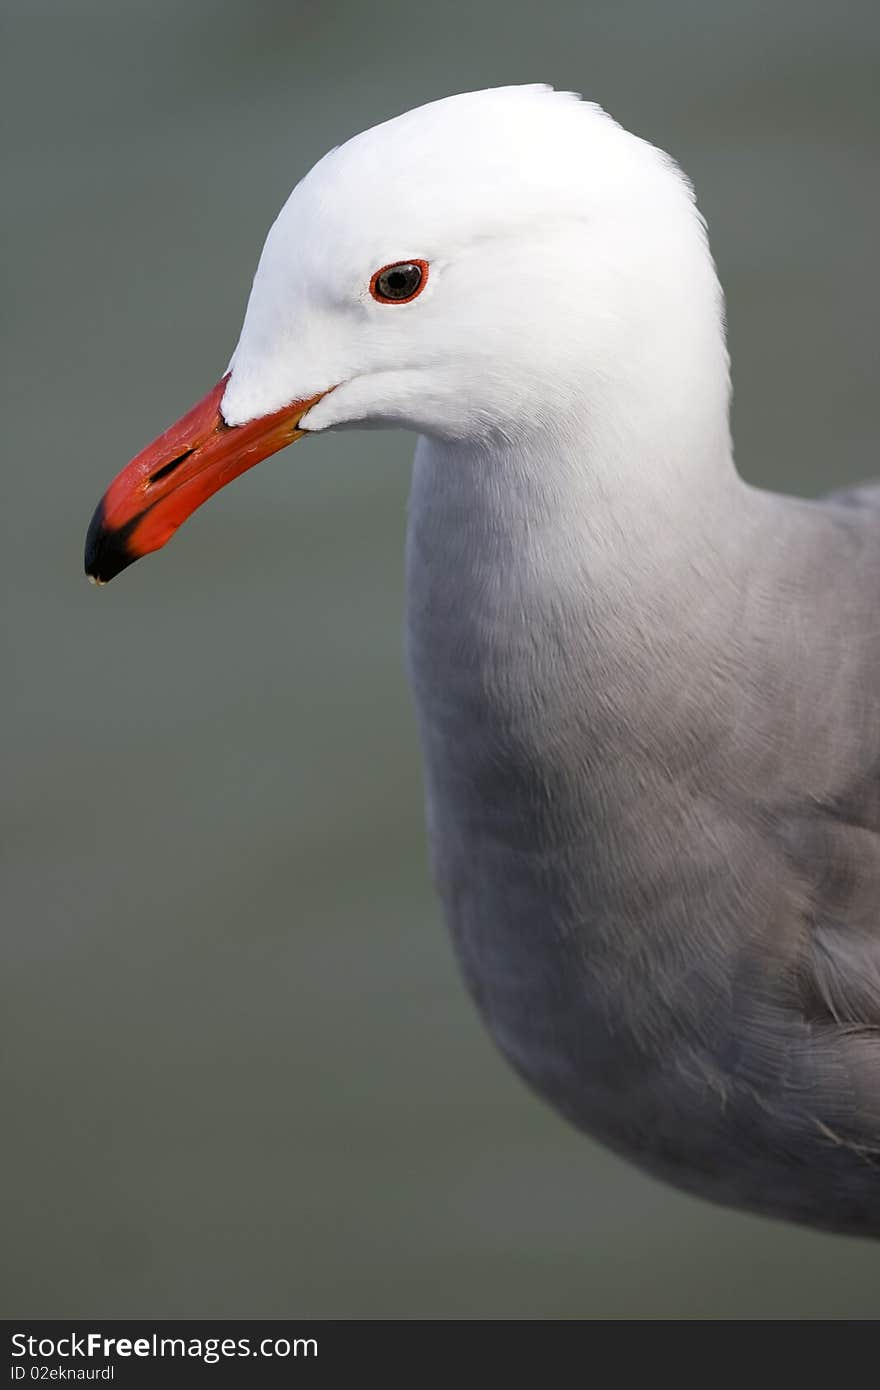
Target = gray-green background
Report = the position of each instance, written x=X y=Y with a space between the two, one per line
x=239 y=1073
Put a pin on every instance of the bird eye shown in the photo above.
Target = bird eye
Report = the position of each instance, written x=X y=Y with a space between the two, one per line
x=400 y=282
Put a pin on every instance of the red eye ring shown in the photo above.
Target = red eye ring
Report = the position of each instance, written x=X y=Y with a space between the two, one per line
x=395 y=283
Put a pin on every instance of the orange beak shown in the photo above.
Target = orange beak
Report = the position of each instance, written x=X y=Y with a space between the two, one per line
x=164 y=483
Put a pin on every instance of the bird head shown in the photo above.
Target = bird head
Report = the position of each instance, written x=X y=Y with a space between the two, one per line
x=464 y=270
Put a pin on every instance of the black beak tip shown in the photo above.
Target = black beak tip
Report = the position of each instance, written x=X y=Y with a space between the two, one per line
x=107 y=552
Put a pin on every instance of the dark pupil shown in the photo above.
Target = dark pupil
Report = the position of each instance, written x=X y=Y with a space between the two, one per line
x=400 y=282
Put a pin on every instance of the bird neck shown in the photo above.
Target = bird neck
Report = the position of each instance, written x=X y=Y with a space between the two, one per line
x=610 y=480
x=595 y=509
x=576 y=592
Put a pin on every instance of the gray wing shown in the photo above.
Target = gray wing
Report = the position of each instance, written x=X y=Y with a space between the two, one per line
x=839 y=841
x=839 y=859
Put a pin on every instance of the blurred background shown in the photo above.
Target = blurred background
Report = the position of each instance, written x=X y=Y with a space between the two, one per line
x=240 y=1076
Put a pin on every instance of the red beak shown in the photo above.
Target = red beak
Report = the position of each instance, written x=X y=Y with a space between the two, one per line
x=163 y=485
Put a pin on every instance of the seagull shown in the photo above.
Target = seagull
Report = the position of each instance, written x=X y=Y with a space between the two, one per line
x=648 y=693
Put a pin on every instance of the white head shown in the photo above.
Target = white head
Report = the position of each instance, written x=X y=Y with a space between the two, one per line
x=561 y=295
x=565 y=257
